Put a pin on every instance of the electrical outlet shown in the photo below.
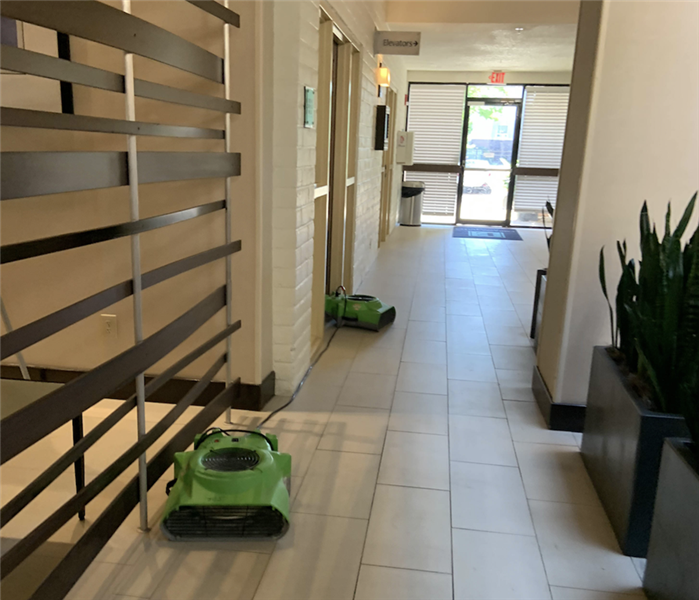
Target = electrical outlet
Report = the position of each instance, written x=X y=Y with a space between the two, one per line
x=109 y=326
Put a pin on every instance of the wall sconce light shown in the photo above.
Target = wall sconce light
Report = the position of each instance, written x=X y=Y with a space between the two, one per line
x=383 y=76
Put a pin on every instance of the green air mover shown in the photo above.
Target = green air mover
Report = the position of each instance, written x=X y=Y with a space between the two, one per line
x=367 y=312
x=229 y=488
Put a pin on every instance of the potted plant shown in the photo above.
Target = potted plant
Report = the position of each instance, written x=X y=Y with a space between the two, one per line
x=671 y=569
x=639 y=385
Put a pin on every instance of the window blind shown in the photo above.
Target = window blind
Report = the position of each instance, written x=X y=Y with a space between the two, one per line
x=543 y=127
x=436 y=115
x=439 y=198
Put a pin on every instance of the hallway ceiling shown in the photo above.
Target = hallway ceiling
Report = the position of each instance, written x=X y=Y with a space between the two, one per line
x=489 y=46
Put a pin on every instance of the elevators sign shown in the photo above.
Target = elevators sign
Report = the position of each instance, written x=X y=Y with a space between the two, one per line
x=406 y=43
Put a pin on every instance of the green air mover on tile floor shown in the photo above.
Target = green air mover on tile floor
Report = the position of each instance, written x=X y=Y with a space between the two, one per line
x=229 y=488
x=366 y=312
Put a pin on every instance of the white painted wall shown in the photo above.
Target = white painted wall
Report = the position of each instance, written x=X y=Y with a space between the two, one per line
x=294 y=63
x=642 y=144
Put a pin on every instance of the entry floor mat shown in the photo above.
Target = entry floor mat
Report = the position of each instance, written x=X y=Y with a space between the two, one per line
x=486 y=233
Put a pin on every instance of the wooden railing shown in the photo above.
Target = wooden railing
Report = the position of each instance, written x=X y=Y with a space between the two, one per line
x=30 y=174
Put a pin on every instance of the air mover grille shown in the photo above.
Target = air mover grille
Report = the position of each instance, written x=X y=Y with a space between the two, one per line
x=198 y=522
x=230 y=459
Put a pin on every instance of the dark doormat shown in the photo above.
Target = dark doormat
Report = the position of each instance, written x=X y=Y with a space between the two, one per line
x=487 y=233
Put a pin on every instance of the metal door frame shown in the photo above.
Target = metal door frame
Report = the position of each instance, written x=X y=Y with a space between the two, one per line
x=515 y=151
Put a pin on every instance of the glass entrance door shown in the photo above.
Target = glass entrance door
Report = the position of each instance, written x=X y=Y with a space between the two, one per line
x=492 y=128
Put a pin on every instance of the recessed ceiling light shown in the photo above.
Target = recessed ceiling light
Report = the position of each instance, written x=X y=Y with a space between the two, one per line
x=519 y=28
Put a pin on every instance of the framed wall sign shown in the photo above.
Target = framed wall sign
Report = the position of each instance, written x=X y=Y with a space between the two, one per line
x=309 y=106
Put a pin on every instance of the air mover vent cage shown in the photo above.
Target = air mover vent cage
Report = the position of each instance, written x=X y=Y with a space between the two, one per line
x=210 y=522
x=230 y=460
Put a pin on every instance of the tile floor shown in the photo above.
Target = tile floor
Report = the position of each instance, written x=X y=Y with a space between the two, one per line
x=422 y=467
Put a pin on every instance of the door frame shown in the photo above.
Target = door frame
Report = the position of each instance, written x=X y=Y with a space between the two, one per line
x=515 y=170
x=513 y=159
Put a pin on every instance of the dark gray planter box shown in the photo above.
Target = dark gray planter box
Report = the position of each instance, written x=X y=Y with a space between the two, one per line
x=621 y=447
x=672 y=570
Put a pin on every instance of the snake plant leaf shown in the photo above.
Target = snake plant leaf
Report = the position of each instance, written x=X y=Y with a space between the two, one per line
x=603 y=283
x=646 y=370
x=684 y=221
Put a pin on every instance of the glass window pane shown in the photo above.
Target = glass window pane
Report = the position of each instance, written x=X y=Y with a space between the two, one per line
x=485 y=195
x=491 y=134
x=495 y=91
x=531 y=195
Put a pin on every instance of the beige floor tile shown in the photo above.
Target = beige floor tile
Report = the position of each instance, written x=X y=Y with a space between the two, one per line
x=527 y=425
x=383 y=583
x=212 y=574
x=317 y=559
x=98 y=582
x=419 y=413
x=143 y=577
x=368 y=390
x=560 y=593
x=467 y=308
x=339 y=484
x=409 y=529
x=425 y=351
x=515 y=385
x=353 y=429
x=313 y=397
x=508 y=318
x=415 y=460
x=555 y=473
x=465 y=325
x=377 y=360
x=422 y=379
x=489 y=498
x=514 y=358
x=580 y=550
x=390 y=337
x=501 y=302
x=331 y=370
x=471 y=367
x=475 y=399
x=424 y=330
x=427 y=312
x=502 y=335
x=473 y=343
x=497 y=566
x=481 y=440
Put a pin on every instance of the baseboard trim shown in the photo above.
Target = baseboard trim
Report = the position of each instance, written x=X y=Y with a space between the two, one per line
x=558 y=416
x=248 y=397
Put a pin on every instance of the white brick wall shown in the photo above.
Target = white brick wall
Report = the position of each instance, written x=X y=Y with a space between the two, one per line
x=295 y=64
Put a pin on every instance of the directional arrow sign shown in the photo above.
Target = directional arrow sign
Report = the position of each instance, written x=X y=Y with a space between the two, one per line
x=397 y=42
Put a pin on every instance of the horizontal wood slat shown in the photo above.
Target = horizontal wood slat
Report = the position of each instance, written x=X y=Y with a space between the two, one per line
x=33 y=248
x=23 y=337
x=28 y=174
x=30 y=424
x=41 y=65
x=58 y=243
x=18 y=117
x=104 y=24
x=218 y=10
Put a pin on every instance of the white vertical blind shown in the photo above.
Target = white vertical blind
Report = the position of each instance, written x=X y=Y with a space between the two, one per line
x=532 y=193
x=436 y=115
x=543 y=127
x=544 y=114
x=439 y=198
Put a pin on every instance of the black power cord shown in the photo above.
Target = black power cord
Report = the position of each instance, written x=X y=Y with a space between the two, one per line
x=308 y=372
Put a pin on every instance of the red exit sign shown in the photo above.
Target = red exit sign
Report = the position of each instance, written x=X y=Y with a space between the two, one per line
x=497 y=77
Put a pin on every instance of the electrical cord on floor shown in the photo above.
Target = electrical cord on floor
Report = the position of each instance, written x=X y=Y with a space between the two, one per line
x=300 y=385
